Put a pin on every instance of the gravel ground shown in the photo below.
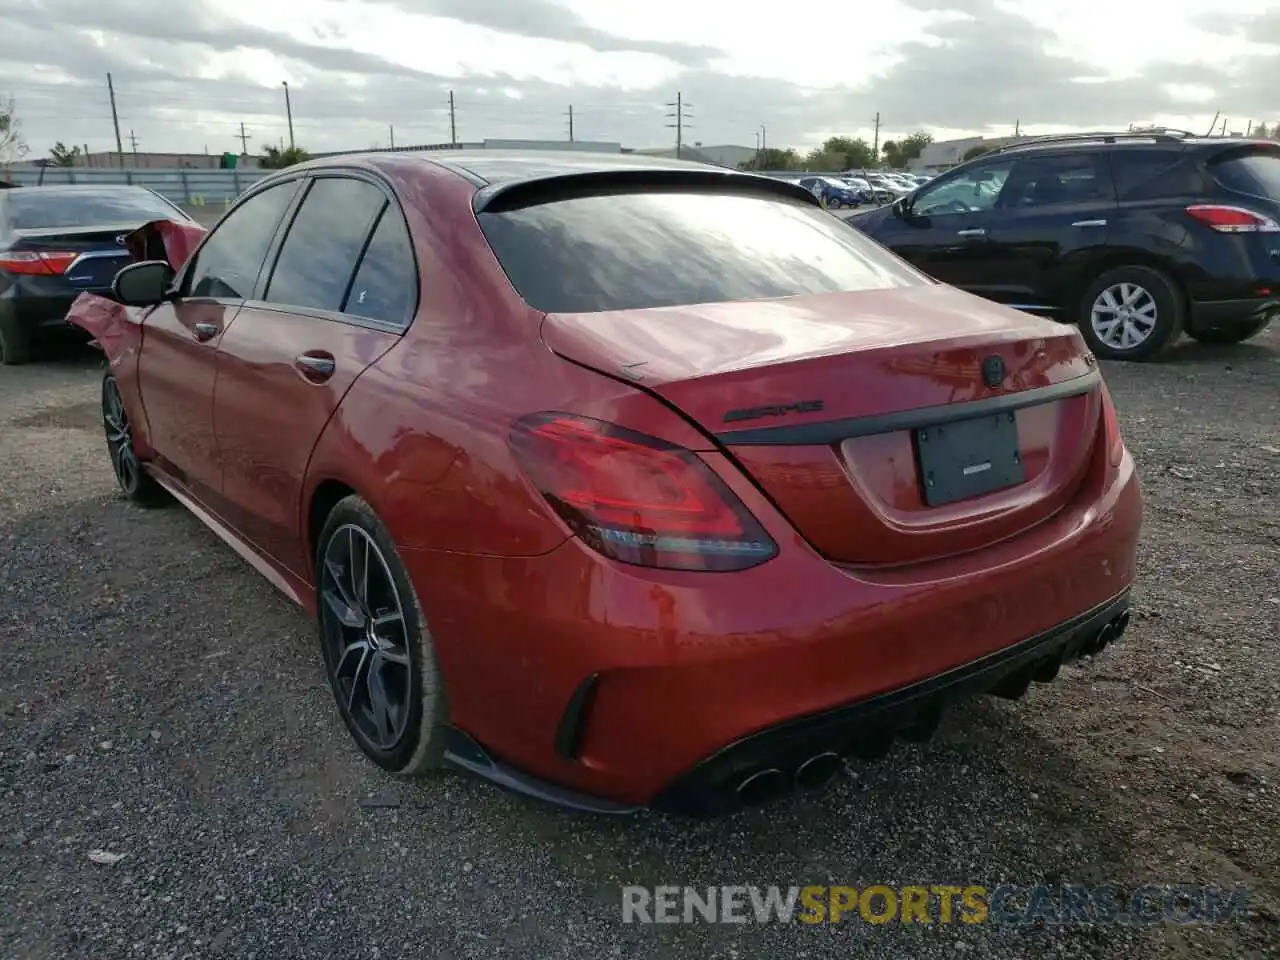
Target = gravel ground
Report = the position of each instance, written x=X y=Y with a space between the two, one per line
x=160 y=701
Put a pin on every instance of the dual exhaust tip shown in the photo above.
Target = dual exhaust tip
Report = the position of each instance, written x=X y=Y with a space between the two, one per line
x=770 y=784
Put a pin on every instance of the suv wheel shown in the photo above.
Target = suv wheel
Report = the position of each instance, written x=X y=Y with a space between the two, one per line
x=1236 y=333
x=1130 y=313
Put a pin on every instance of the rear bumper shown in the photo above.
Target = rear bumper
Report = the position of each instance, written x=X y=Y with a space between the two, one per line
x=634 y=685
x=1208 y=314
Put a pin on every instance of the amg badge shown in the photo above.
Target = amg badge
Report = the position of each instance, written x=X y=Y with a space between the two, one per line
x=778 y=410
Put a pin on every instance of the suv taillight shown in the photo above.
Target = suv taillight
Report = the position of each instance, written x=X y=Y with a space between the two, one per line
x=1111 y=427
x=638 y=499
x=45 y=264
x=1226 y=219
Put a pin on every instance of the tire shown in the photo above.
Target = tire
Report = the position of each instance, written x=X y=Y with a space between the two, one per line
x=833 y=204
x=1236 y=333
x=135 y=483
x=15 y=343
x=409 y=738
x=1150 y=303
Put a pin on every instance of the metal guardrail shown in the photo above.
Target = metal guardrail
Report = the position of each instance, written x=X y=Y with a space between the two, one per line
x=189 y=187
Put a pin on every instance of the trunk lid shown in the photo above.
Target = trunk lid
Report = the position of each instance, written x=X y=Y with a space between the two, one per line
x=102 y=251
x=865 y=416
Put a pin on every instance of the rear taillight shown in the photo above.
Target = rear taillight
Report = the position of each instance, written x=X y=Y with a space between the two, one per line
x=1227 y=219
x=46 y=263
x=638 y=499
x=1111 y=427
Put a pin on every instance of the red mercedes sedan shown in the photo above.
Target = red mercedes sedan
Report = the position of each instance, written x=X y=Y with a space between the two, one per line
x=618 y=481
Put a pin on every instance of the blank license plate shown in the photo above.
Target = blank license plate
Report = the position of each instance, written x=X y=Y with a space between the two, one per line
x=969 y=458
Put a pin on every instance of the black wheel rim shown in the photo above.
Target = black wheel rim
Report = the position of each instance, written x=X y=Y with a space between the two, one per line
x=366 y=637
x=124 y=462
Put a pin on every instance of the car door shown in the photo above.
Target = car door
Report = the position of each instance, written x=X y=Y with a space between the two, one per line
x=341 y=290
x=1054 y=217
x=942 y=228
x=177 y=362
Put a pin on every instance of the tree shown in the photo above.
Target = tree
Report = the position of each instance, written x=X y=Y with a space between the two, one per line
x=898 y=153
x=12 y=146
x=772 y=158
x=275 y=158
x=976 y=150
x=844 y=153
x=1261 y=132
x=63 y=157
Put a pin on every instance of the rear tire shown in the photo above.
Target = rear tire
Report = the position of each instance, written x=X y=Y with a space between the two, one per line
x=15 y=343
x=1236 y=333
x=1130 y=313
x=378 y=653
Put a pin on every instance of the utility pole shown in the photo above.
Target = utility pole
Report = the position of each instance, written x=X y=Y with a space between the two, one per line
x=875 y=145
x=571 y=123
x=288 y=110
x=244 y=140
x=764 y=137
x=115 y=121
x=391 y=134
x=133 y=146
x=453 y=122
x=1017 y=127
x=681 y=121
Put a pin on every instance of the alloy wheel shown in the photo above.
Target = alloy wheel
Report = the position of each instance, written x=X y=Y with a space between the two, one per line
x=124 y=461
x=1124 y=315
x=366 y=636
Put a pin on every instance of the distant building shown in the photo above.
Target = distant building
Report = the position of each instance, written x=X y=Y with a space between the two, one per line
x=669 y=153
x=945 y=154
x=584 y=146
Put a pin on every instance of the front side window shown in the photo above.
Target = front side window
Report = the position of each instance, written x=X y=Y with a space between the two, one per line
x=320 y=252
x=665 y=248
x=227 y=264
x=970 y=191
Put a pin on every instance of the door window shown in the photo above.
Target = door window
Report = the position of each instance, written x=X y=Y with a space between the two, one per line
x=386 y=284
x=324 y=242
x=1154 y=174
x=970 y=191
x=227 y=264
x=1047 y=180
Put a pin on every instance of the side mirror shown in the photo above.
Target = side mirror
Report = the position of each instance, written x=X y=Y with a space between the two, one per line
x=143 y=284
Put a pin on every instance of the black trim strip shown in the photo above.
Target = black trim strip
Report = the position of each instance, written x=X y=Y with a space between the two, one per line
x=833 y=431
x=571 y=727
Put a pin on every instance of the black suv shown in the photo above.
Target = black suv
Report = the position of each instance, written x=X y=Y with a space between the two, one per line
x=1135 y=237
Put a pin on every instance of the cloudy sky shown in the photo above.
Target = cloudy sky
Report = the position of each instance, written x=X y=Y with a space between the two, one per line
x=188 y=72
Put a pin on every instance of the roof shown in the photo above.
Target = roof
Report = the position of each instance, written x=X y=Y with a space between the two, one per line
x=96 y=188
x=488 y=167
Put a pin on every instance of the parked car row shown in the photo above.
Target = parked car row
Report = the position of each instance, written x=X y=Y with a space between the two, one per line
x=855 y=188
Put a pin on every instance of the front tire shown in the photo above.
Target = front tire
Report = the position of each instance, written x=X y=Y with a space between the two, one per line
x=135 y=483
x=1236 y=333
x=378 y=653
x=1130 y=313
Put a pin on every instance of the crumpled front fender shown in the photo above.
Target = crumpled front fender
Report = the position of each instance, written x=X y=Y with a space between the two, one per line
x=115 y=328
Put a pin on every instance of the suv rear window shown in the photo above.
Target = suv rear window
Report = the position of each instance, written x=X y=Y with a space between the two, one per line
x=1256 y=173
x=632 y=251
x=36 y=209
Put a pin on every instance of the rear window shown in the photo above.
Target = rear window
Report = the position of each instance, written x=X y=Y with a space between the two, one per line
x=1257 y=173
x=666 y=249
x=34 y=209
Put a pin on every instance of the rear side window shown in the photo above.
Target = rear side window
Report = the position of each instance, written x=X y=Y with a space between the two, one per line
x=386 y=284
x=1154 y=175
x=1256 y=173
x=663 y=249
x=35 y=209
x=1064 y=178
x=319 y=255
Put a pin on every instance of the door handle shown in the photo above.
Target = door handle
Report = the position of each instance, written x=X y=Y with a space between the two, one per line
x=316 y=367
x=973 y=232
x=1090 y=223
x=206 y=331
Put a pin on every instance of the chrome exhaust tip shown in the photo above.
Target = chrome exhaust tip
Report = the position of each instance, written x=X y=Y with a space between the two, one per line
x=761 y=787
x=818 y=771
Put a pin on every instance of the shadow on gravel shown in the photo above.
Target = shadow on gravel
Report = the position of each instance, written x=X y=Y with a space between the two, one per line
x=158 y=698
x=1187 y=351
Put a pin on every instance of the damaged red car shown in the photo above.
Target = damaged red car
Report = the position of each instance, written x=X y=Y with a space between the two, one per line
x=620 y=482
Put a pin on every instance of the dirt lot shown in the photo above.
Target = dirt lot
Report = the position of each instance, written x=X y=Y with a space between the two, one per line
x=159 y=700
